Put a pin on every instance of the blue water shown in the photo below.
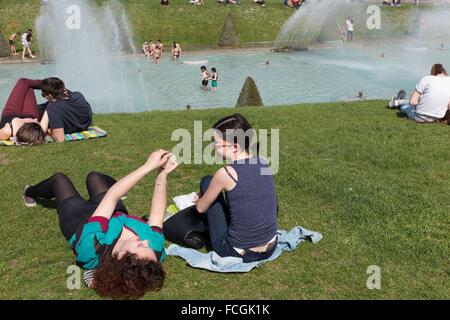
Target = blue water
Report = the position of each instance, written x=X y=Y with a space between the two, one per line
x=318 y=75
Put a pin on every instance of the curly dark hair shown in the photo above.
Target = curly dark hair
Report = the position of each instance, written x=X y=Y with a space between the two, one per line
x=127 y=278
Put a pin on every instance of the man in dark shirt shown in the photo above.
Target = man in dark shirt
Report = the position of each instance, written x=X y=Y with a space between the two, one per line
x=68 y=112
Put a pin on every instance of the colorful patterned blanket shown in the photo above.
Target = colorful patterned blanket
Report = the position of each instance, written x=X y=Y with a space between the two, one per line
x=92 y=133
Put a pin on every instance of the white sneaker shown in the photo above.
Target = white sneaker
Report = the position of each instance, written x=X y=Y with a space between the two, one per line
x=28 y=201
x=393 y=103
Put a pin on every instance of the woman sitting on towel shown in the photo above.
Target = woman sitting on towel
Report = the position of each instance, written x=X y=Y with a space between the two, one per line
x=243 y=223
x=125 y=251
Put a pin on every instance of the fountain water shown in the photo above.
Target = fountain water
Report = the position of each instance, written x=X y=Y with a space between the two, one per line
x=87 y=55
x=305 y=25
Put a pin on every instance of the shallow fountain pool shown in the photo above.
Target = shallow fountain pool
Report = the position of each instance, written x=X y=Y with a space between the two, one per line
x=317 y=75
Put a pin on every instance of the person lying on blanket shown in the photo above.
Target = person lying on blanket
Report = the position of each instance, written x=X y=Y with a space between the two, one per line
x=125 y=251
x=64 y=112
x=244 y=223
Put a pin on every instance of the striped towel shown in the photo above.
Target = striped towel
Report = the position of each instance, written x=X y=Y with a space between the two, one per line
x=92 y=133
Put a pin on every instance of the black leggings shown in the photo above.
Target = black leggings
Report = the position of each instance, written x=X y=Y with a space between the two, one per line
x=73 y=210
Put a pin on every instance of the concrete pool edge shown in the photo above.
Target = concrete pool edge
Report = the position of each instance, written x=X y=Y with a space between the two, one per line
x=247 y=47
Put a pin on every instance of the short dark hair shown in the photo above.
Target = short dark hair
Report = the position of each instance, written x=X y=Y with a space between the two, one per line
x=127 y=278
x=202 y=68
x=233 y=123
x=213 y=69
x=438 y=69
x=54 y=87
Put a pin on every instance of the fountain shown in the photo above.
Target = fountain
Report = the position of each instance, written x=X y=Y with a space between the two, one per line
x=87 y=55
x=305 y=25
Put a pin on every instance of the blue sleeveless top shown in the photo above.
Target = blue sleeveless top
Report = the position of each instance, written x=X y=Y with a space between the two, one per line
x=252 y=204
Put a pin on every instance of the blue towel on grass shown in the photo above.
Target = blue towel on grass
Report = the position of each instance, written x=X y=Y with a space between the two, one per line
x=287 y=241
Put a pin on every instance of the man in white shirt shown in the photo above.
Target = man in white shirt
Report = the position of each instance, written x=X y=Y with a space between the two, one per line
x=26 y=44
x=430 y=100
x=350 y=29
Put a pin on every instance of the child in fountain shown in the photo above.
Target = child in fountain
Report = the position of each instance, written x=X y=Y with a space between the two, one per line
x=146 y=49
x=176 y=51
x=160 y=46
x=214 y=77
x=205 y=76
x=157 y=55
x=152 y=47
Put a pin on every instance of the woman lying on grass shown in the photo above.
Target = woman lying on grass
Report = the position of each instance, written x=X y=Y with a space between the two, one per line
x=125 y=251
x=21 y=115
x=244 y=223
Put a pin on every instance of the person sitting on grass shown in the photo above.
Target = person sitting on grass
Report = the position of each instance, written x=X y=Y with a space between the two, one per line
x=430 y=100
x=262 y=3
x=229 y=1
x=125 y=251
x=243 y=222
x=21 y=115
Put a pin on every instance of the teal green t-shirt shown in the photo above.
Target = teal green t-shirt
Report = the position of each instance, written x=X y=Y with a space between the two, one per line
x=99 y=234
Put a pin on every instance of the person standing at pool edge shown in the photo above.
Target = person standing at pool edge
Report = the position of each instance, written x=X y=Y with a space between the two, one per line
x=26 y=43
x=12 y=44
x=350 y=29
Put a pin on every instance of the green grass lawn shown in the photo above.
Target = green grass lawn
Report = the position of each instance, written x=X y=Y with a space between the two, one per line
x=198 y=27
x=375 y=185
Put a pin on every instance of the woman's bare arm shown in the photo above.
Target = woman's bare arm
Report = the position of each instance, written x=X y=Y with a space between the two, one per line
x=414 y=99
x=44 y=122
x=159 y=199
x=119 y=189
x=218 y=183
x=5 y=132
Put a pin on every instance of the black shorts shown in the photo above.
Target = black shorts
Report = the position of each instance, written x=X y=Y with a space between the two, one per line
x=204 y=83
x=74 y=212
x=11 y=43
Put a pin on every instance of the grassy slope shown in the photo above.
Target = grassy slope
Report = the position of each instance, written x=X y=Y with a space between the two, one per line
x=375 y=185
x=201 y=26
